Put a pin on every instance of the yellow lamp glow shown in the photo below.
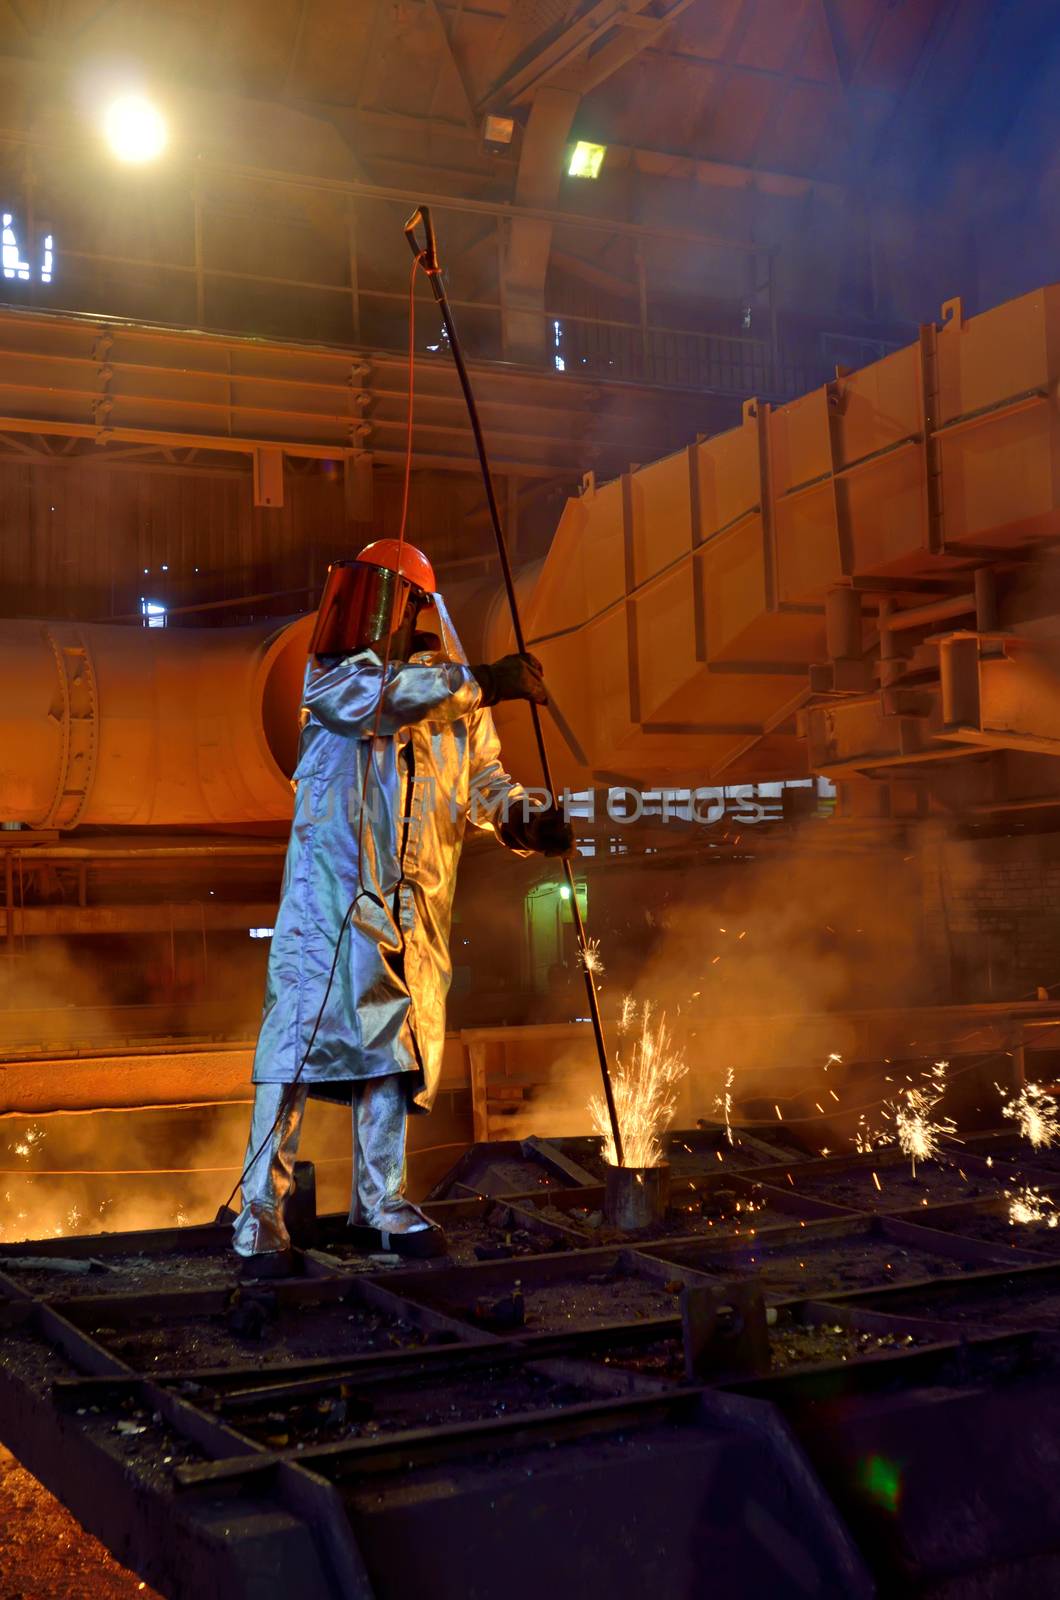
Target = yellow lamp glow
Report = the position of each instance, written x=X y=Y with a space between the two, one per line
x=135 y=129
x=586 y=160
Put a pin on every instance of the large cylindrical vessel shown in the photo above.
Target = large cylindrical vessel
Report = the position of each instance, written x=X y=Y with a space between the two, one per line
x=125 y=726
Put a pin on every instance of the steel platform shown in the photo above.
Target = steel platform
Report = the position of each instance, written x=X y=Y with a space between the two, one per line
x=773 y=1392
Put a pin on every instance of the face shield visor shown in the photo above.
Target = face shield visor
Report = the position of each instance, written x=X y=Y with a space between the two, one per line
x=362 y=605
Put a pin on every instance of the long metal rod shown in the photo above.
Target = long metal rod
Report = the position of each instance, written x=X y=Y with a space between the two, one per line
x=427 y=256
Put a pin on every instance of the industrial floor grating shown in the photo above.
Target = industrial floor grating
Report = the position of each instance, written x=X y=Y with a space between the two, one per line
x=818 y=1376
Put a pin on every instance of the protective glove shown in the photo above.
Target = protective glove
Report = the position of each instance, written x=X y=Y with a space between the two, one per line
x=515 y=677
x=548 y=833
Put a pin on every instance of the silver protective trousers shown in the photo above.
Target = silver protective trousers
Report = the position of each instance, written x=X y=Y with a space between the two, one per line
x=380 y=1108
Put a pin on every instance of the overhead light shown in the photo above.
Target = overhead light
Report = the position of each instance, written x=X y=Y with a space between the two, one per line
x=498 y=130
x=134 y=129
x=564 y=891
x=586 y=160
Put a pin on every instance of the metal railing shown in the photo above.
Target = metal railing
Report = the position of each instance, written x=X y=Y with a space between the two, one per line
x=209 y=276
x=682 y=358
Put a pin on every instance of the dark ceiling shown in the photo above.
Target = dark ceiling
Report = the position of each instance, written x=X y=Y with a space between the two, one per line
x=841 y=165
x=798 y=87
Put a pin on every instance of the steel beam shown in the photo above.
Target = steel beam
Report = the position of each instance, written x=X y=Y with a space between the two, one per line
x=995 y=692
x=176 y=388
x=856 y=735
x=176 y=916
x=999 y=693
x=526 y=244
x=440 y=201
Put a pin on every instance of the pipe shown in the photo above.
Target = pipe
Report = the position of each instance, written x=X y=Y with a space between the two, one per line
x=125 y=726
x=84 y=853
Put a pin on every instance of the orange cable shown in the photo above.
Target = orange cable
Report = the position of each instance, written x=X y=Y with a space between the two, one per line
x=370 y=763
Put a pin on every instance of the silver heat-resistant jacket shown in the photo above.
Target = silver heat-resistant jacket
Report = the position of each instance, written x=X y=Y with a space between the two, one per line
x=435 y=766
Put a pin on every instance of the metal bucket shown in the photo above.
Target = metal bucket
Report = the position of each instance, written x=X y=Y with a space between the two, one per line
x=636 y=1197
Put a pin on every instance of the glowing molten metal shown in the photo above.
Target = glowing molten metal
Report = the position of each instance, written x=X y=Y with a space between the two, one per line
x=645 y=1089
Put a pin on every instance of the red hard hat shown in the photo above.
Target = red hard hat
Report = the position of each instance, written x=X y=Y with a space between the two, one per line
x=396 y=556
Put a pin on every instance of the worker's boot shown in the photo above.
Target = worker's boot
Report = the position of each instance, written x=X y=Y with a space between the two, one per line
x=423 y=1243
x=268 y=1265
x=259 y=1236
x=381 y=1218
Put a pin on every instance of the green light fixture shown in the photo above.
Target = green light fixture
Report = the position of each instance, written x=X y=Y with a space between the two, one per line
x=586 y=160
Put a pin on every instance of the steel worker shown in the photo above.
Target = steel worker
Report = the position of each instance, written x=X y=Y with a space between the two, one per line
x=398 y=753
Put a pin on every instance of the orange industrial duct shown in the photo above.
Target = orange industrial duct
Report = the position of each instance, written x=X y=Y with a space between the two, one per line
x=686 y=610
x=683 y=613
x=121 y=726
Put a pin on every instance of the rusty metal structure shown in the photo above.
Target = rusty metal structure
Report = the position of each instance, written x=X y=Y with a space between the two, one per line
x=805 y=1358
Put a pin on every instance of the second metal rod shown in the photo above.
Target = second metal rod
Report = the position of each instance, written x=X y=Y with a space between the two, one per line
x=428 y=260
